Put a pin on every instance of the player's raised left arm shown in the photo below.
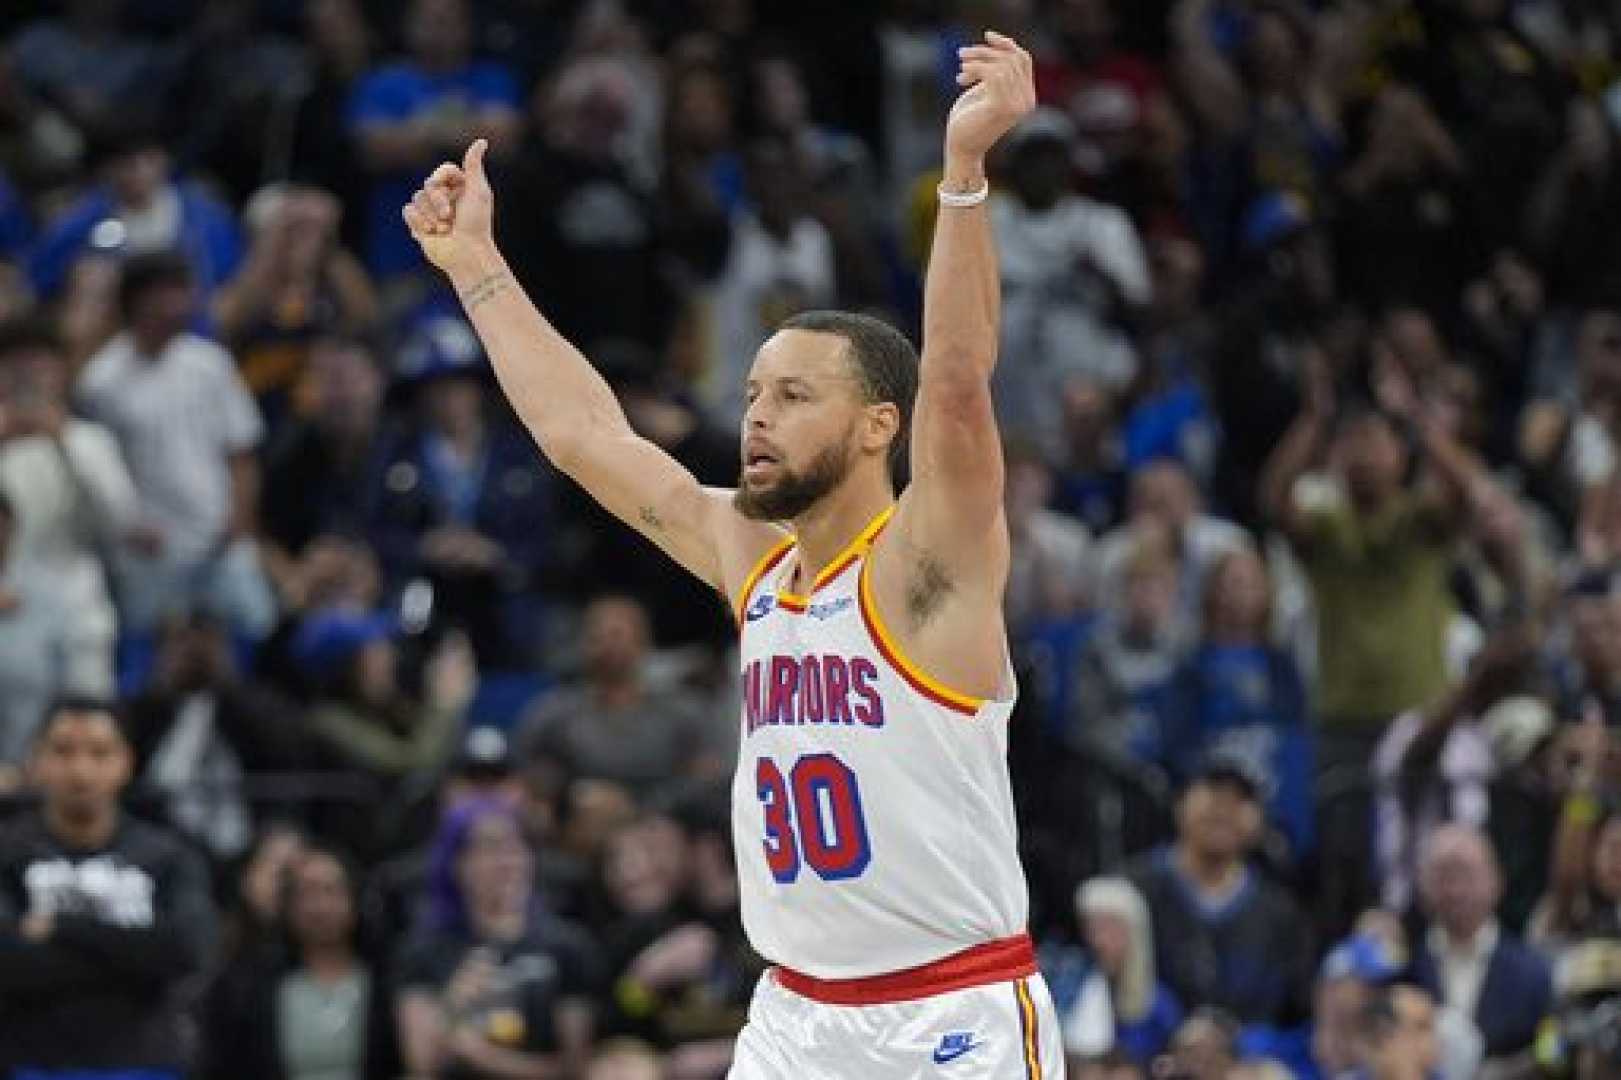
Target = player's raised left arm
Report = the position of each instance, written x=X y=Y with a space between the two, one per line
x=956 y=491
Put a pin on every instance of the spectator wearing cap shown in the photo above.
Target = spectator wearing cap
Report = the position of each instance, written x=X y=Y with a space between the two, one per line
x=1073 y=272
x=189 y=430
x=1107 y=991
x=1465 y=958
x=1328 y=1048
x=1377 y=548
x=71 y=494
x=407 y=116
x=462 y=499
x=1224 y=935
x=617 y=723
x=138 y=208
x=365 y=722
x=1237 y=690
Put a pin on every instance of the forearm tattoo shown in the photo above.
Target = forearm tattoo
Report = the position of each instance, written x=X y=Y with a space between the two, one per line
x=651 y=519
x=486 y=289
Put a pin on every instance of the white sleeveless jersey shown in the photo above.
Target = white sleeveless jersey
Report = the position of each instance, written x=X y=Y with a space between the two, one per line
x=871 y=809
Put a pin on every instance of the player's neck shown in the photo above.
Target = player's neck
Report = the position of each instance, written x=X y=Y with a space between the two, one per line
x=827 y=528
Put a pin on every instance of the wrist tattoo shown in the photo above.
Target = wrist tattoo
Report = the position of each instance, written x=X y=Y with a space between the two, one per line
x=651 y=519
x=484 y=289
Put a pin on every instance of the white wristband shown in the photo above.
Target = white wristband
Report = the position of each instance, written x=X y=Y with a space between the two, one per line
x=962 y=200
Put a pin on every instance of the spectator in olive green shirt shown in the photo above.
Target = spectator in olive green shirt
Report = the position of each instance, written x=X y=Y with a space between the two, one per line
x=1378 y=548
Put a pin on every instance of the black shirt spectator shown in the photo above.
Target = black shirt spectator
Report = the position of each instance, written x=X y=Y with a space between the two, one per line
x=102 y=918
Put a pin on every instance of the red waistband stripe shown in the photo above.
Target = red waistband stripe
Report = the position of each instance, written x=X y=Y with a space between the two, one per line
x=994 y=962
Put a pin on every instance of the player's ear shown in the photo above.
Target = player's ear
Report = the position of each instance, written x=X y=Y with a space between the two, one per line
x=882 y=426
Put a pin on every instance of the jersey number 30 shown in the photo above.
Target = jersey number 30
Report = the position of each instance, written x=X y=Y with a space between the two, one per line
x=815 y=816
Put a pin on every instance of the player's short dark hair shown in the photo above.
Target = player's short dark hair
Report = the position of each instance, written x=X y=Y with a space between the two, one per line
x=144 y=273
x=79 y=704
x=884 y=359
x=29 y=333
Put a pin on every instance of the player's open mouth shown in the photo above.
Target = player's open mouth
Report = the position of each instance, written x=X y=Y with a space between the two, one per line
x=758 y=466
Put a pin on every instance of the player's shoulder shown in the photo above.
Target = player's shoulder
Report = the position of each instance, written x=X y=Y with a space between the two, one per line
x=745 y=546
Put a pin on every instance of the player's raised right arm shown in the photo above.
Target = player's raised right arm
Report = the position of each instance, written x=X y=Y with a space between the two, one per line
x=565 y=404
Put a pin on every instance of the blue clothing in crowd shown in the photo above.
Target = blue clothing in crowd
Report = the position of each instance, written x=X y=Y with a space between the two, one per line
x=1249 y=700
x=209 y=239
x=1067 y=968
x=403 y=92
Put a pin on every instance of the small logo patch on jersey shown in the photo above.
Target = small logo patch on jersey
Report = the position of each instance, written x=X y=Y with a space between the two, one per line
x=760 y=608
x=831 y=608
x=953 y=1045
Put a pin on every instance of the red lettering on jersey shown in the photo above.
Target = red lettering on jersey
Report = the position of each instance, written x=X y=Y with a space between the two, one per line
x=863 y=673
x=751 y=695
x=784 y=683
x=837 y=678
x=810 y=690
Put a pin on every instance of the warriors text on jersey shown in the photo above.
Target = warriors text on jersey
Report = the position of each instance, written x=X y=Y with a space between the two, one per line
x=872 y=811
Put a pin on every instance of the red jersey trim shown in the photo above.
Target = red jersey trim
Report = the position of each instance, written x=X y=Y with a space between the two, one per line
x=994 y=962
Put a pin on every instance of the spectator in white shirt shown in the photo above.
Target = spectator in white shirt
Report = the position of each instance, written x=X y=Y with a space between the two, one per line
x=71 y=495
x=188 y=428
x=1073 y=272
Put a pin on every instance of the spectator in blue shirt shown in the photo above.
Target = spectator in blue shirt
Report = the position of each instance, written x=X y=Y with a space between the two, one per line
x=1238 y=691
x=140 y=208
x=408 y=116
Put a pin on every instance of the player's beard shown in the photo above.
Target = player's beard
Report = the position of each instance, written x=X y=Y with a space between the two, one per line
x=794 y=493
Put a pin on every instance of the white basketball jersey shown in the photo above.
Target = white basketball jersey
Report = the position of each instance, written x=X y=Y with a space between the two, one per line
x=871 y=809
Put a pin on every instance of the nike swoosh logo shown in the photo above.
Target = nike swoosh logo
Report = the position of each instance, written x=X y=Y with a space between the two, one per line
x=946 y=1054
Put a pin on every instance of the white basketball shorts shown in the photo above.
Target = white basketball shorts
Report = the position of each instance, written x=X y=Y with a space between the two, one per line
x=1006 y=1030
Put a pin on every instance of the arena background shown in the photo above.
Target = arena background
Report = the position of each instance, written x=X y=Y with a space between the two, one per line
x=1310 y=382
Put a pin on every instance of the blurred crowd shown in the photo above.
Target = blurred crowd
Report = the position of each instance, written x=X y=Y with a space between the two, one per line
x=340 y=737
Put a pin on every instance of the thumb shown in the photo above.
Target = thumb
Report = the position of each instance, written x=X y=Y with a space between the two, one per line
x=473 y=161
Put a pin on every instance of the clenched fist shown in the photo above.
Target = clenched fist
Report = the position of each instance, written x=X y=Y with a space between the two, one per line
x=1001 y=89
x=452 y=215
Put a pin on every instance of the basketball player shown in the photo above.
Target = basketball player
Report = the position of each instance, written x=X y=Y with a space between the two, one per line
x=871 y=806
